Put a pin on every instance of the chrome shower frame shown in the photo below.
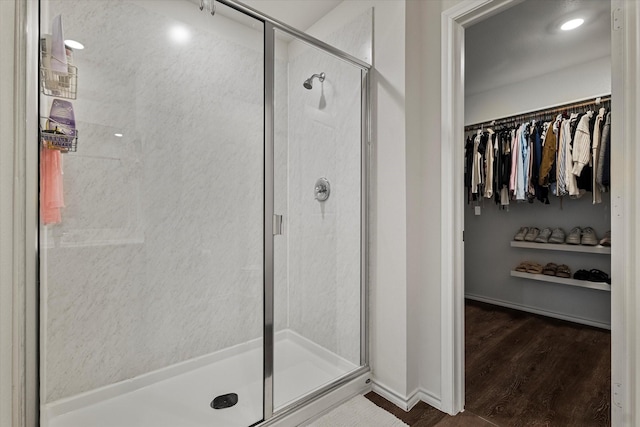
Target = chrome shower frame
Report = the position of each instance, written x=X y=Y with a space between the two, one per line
x=270 y=26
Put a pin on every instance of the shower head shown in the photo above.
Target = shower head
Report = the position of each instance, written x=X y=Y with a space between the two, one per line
x=308 y=84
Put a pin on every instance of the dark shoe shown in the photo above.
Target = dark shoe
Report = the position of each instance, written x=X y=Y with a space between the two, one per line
x=581 y=275
x=599 y=276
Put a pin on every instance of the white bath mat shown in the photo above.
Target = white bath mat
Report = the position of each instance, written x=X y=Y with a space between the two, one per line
x=358 y=412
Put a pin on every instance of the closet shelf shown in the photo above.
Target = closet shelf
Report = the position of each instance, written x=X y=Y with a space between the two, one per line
x=571 y=282
x=562 y=247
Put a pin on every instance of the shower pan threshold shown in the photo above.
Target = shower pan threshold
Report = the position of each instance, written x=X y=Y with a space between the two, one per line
x=180 y=395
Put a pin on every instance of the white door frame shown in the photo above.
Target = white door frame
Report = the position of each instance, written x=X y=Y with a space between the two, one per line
x=625 y=195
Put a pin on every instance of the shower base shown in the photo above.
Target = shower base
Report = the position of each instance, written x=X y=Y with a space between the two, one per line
x=181 y=394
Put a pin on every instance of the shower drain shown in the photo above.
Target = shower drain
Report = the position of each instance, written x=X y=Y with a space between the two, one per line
x=224 y=401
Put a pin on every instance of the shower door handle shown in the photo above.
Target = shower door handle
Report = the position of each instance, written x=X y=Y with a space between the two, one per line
x=277 y=225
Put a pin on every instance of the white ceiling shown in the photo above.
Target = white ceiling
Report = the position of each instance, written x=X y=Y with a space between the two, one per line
x=300 y=14
x=526 y=41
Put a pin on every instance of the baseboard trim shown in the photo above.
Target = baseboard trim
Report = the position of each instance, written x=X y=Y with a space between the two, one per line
x=406 y=403
x=430 y=399
x=539 y=311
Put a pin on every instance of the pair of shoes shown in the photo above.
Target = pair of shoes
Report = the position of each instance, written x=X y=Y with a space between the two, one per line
x=593 y=275
x=521 y=233
x=522 y=267
x=579 y=236
x=544 y=236
x=529 y=267
x=550 y=269
x=561 y=270
x=532 y=234
x=534 y=268
x=557 y=236
x=606 y=240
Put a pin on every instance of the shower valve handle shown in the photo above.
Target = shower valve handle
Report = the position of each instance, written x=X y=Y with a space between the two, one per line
x=322 y=189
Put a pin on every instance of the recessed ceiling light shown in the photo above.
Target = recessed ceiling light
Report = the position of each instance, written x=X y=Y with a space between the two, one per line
x=119 y=135
x=74 y=44
x=572 y=24
x=180 y=34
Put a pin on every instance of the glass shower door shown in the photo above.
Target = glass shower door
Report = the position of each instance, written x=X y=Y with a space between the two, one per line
x=318 y=181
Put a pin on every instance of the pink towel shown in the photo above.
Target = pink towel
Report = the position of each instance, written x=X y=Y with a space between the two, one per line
x=51 y=197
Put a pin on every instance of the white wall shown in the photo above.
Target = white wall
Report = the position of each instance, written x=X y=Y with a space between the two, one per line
x=414 y=117
x=581 y=81
x=7 y=40
x=430 y=183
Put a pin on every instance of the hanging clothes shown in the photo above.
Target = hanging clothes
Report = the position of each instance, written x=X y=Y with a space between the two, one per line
x=582 y=145
x=468 y=166
x=595 y=154
x=548 y=154
x=604 y=168
x=505 y=167
x=541 y=193
x=489 y=160
x=561 y=155
x=515 y=152
x=522 y=160
x=476 y=177
x=572 y=181
x=531 y=191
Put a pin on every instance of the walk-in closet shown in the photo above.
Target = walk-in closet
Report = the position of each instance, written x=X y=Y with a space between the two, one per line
x=537 y=221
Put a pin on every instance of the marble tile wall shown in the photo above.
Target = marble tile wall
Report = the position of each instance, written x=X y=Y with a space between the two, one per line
x=159 y=255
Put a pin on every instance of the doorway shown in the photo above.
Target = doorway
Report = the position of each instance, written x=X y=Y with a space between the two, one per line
x=522 y=71
x=455 y=21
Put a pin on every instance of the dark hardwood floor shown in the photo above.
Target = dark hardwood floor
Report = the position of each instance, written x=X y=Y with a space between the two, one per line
x=526 y=370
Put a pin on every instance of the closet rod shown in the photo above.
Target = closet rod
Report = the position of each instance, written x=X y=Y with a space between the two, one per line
x=525 y=117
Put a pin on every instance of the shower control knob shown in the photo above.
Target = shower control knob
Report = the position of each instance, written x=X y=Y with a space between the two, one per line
x=322 y=189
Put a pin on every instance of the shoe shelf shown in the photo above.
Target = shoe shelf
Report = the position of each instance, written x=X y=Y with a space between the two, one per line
x=562 y=247
x=554 y=279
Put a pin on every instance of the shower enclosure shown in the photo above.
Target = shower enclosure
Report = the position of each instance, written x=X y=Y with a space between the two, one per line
x=203 y=214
